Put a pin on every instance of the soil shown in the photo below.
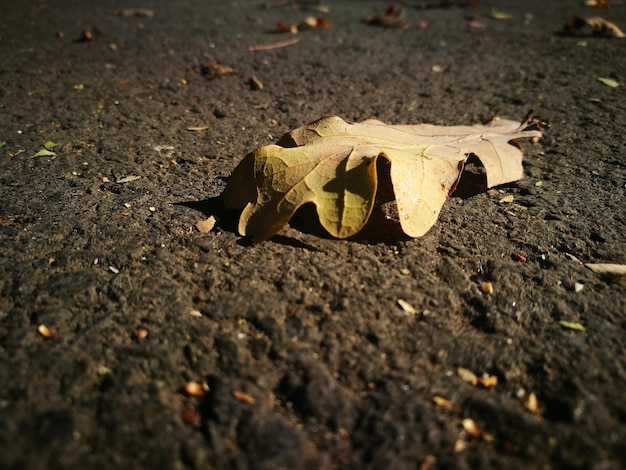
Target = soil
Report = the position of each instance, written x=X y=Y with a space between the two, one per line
x=304 y=353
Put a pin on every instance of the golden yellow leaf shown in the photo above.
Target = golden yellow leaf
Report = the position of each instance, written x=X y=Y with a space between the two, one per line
x=332 y=164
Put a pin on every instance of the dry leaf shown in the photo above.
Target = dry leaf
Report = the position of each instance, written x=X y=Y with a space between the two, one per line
x=614 y=272
x=332 y=163
x=393 y=16
x=43 y=153
x=205 y=226
x=596 y=26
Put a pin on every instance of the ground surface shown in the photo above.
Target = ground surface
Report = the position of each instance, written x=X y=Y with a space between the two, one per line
x=335 y=374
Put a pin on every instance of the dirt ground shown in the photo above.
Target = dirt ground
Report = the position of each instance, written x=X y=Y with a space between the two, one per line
x=304 y=354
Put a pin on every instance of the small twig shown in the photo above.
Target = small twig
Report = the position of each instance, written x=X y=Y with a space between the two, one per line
x=275 y=45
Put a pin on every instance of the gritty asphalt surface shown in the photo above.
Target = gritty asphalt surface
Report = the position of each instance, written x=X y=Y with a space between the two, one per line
x=303 y=347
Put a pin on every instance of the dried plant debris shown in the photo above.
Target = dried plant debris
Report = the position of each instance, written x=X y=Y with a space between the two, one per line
x=214 y=70
x=468 y=376
x=444 y=404
x=45 y=332
x=44 y=153
x=600 y=3
x=310 y=22
x=609 y=82
x=274 y=45
x=472 y=429
x=613 y=272
x=128 y=12
x=596 y=26
x=332 y=164
x=572 y=325
x=393 y=17
x=206 y=225
x=500 y=15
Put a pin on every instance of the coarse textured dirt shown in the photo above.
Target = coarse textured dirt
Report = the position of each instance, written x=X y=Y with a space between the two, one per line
x=308 y=358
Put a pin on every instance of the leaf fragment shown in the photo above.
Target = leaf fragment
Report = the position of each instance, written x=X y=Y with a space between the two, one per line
x=332 y=164
x=393 y=17
x=594 y=26
x=214 y=70
x=500 y=15
x=459 y=445
x=471 y=428
x=615 y=272
x=531 y=403
x=609 y=82
x=488 y=381
x=49 y=145
x=198 y=128
x=467 y=375
x=444 y=403
x=572 y=325
x=407 y=307
x=43 y=153
x=127 y=179
x=206 y=225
